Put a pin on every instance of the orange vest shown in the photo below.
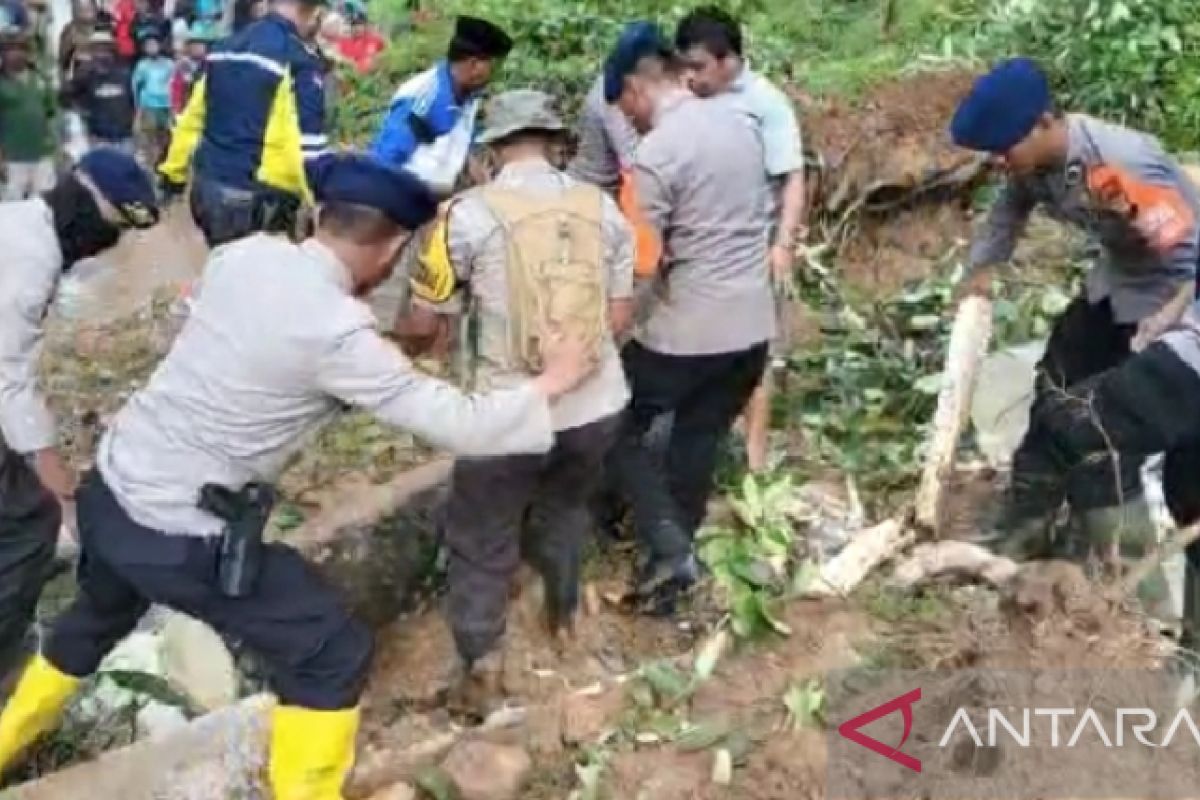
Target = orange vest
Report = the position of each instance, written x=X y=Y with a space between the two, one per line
x=648 y=247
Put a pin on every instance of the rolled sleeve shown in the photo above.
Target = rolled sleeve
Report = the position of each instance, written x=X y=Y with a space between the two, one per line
x=618 y=251
x=364 y=370
x=25 y=419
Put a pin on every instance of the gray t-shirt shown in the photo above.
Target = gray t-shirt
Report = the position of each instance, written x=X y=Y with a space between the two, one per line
x=606 y=142
x=709 y=197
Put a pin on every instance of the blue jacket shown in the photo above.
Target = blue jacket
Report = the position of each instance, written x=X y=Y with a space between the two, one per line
x=428 y=130
x=256 y=115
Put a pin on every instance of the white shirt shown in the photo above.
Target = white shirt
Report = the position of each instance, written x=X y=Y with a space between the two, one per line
x=32 y=265
x=273 y=342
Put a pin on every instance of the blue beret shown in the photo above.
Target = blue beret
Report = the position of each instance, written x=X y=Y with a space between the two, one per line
x=637 y=40
x=123 y=183
x=363 y=181
x=1002 y=108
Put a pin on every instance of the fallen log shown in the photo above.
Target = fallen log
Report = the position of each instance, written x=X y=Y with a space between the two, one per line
x=866 y=550
x=968 y=345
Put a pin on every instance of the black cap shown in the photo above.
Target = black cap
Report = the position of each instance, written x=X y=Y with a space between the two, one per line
x=480 y=38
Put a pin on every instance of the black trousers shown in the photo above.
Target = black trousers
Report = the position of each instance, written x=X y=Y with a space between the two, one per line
x=225 y=214
x=1085 y=342
x=507 y=507
x=317 y=656
x=705 y=394
x=1144 y=406
x=29 y=520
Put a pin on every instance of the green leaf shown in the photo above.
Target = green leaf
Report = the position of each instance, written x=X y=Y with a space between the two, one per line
x=702 y=736
x=709 y=655
x=668 y=682
x=436 y=783
x=929 y=385
x=805 y=704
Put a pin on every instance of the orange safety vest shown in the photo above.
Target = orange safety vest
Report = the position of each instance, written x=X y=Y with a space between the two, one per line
x=648 y=247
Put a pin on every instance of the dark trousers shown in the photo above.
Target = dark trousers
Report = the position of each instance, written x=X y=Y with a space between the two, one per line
x=316 y=654
x=1085 y=342
x=704 y=394
x=29 y=520
x=225 y=214
x=505 y=507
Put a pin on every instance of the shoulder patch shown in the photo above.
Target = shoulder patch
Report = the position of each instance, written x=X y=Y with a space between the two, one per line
x=433 y=278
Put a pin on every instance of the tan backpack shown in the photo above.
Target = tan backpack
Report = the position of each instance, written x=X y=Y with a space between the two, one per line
x=556 y=279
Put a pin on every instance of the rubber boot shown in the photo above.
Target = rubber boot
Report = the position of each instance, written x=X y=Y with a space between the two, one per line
x=477 y=687
x=1127 y=533
x=34 y=708
x=312 y=752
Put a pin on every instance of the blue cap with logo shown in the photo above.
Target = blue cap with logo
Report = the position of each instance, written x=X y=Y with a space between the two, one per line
x=361 y=180
x=123 y=183
x=637 y=41
x=1003 y=107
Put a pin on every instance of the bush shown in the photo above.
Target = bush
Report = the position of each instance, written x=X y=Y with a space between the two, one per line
x=1132 y=61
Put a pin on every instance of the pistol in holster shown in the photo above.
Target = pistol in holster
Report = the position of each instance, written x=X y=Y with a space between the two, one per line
x=245 y=513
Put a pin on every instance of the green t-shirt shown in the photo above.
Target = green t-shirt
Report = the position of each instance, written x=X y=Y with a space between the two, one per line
x=25 y=133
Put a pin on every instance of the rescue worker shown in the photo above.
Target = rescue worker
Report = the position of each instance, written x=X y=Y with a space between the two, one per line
x=710 y=42
x=503 y=260
x=606 y=142
x=255 y=121
x=431 y=124
x=83 y=215
x=702 y=345
x=276 y=342
x=1139 y=210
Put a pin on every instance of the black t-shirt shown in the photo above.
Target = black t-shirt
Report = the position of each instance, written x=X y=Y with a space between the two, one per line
x=104 y=97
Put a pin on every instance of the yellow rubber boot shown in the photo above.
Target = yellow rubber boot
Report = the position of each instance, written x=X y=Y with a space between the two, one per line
x=311 y=752
x=34 y=707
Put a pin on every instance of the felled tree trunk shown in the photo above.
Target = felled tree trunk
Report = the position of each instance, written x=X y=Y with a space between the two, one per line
x=968 y=344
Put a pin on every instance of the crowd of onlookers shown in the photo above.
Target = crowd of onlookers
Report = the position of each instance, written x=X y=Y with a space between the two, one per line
x=121 y=72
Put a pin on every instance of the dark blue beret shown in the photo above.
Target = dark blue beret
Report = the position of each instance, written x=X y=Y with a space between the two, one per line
x=637 y=41
x=1002 y=108
x=361 y=180
x=123 y=183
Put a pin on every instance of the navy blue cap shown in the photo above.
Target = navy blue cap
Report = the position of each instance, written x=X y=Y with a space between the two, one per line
x=1003 y=107
x=361 y=180
x=637 y=41
x=123 y=183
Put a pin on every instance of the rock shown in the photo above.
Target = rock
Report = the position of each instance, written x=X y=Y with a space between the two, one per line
x=485 y=771
x=398 y=791
x=1003 y=395
x=197 y=663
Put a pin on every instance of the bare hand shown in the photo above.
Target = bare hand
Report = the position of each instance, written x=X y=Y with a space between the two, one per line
x=567 y=362
x=783 y=266
x=1151 y=328
x=54 y=473
x=975 y=284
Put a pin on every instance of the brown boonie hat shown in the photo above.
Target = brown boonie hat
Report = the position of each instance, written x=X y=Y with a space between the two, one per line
x=519 y=110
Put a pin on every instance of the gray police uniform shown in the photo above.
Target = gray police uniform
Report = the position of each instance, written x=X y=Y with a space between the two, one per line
x=491 y=497
x=702 y=345
x=606 y=142
x=1127 y=283
x=29 y=514
x=274 y=346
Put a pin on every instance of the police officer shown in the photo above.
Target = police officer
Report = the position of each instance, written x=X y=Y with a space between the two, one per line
x=708 y=198
x=254 y=121
x=1139 y=209
x=495 y=500
x=82 y=216
x=277 y=341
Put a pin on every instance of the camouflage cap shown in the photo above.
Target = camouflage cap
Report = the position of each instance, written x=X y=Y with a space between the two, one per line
x=520 y=110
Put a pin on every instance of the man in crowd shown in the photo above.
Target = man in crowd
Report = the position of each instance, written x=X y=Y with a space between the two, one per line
x=1136 y=204
x=701 y=347
x=363 y=44
x=502 y=264
x=710 y=42
x=189 y=65
x=277 y=342
x=255 y=120
x=83 y=215
x=152 y=96
x=26 y=112
x=606 y=142
x=431 y=124
x=103 y=94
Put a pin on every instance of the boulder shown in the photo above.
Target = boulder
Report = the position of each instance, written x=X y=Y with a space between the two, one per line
x=481 y=770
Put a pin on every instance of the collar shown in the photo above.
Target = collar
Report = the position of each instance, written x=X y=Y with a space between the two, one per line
x=334 y=269
x=535 y=165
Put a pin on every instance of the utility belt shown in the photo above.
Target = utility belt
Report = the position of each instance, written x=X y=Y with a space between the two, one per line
x=239 y=548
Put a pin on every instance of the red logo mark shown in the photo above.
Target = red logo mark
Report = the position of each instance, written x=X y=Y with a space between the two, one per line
x=850 y=729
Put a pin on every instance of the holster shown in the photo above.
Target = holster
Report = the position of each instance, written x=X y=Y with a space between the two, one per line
x=245 y=513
